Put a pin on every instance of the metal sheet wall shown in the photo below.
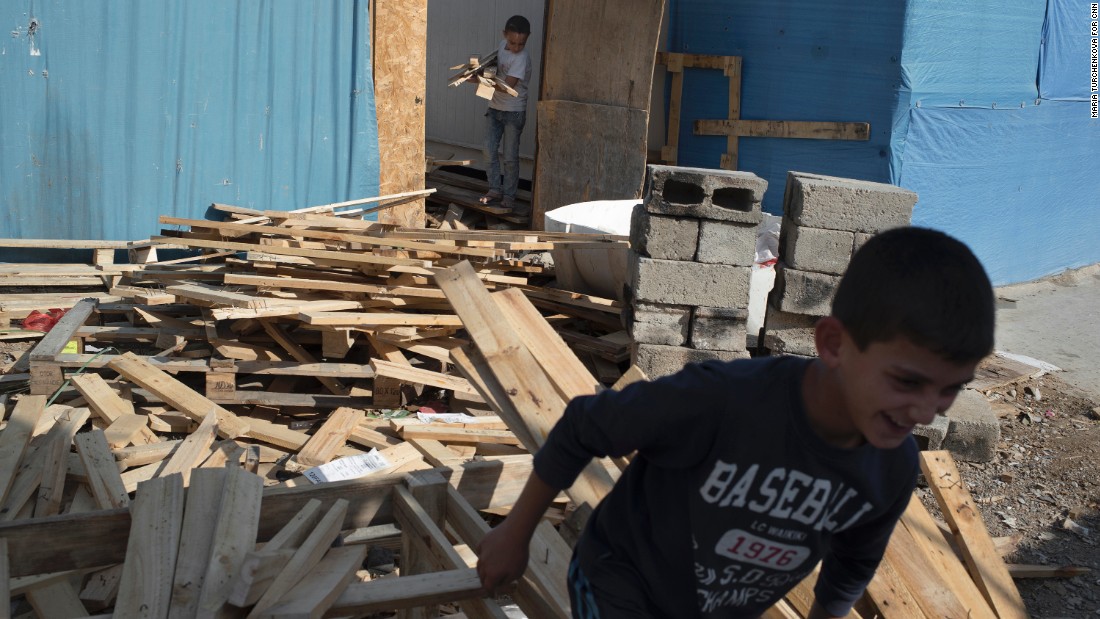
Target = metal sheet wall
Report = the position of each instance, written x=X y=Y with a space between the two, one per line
x=115 y=111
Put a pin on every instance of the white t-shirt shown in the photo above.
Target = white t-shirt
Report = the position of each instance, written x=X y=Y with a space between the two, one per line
x=512 y=65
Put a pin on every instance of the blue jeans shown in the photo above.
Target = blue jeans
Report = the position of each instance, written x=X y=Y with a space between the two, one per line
x=509 y=126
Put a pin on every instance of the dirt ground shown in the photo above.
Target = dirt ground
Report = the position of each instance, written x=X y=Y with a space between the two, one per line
x=1043 y=491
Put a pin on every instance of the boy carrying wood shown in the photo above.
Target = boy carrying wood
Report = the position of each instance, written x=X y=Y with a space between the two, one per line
x=748 y=473
x=508 y=114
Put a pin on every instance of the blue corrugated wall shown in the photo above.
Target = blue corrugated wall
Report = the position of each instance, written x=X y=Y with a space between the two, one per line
x=980 y=107
x=113 y=112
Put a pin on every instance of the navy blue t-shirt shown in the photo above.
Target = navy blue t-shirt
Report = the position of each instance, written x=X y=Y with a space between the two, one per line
x=732 y=498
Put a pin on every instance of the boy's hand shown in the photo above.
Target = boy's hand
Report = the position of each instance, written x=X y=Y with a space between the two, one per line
x=501 y=556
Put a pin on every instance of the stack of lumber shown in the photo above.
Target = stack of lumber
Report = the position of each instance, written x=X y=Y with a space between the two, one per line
x=169 y=484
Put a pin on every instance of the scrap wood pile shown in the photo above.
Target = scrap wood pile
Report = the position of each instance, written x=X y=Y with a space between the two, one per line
x=272 y=355
x=146 y=473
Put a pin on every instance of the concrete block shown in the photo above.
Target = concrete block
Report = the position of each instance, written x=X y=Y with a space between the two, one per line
x=930 y=437
x=718 y=328
x=652 y=323
x=663 y=237
x=974 y=429
x=803 y=292
x=672 y=282
x=726 y=242
x=656 y=360
x=704 y=193
x=860 y=239
x=790 y=334
x=846 y=204
x=815 y=249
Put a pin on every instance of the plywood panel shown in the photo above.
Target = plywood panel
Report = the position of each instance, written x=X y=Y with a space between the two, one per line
x=621 y=34
x=400 y=51
x=588 y=152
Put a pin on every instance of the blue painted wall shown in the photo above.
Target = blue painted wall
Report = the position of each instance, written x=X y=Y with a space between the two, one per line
x=113 y=112
x=801 y=60
x=980 y=107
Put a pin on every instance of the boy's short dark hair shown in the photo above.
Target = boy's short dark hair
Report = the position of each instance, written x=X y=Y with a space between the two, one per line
x=517 y=24
x=921 y=284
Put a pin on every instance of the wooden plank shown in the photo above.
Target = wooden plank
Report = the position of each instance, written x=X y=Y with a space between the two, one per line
x=307 y=556
x=436 y=453
x=811 y=130
x=934 y=549
x=335 y=257
x=1027 y=570
x=58 y=599
x=330 y=437
x=101 y=588
x=407 y=592
x=101 y=397
x=124 y=429
x=103 y=477
x=318 y=590
x=570 y=170
x=890 y=593
x=234 y=536
x=260 y=567
x=400 y=78
x=962 y=515
x=675 y=66
x=528 y=389
x=409 y=374
x=542 y=591
x=562 y=367
x=138 y=455
x=192 y=451
x=204 y=500
x=276 y=434
x=147 y=572
x=378 y=319
x=180 y=396
x=16 y=436
x=932 y=593
x=221 y=296
x=458 y=435
x=994 y=372
x=60 y=441
x=27 y=478
x=59 y=335
x=568 y=71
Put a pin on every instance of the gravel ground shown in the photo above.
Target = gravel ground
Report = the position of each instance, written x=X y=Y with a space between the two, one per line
x=1043 y=491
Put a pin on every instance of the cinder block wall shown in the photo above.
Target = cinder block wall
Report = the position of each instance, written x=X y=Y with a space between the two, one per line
x=825 y=219
x=693 y=243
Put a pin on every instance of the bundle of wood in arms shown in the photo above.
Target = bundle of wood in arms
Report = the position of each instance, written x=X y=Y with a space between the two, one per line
x=483 y=70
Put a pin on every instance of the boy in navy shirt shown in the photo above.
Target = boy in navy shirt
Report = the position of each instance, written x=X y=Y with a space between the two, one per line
x=747 y=473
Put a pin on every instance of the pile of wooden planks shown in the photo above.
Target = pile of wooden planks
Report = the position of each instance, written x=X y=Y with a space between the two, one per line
x=183 y=482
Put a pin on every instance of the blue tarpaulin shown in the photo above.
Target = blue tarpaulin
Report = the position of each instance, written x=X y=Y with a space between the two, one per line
x=113 y=112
